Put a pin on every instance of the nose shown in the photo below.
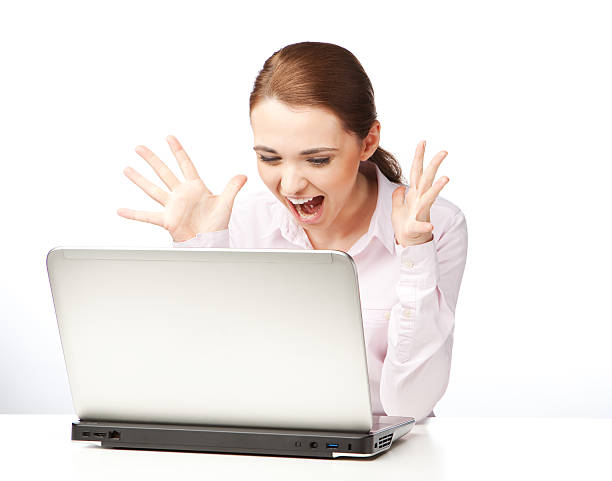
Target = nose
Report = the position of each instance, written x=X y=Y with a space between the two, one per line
x=292 y=181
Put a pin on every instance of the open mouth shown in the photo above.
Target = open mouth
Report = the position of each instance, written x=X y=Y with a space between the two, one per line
x=309 y=211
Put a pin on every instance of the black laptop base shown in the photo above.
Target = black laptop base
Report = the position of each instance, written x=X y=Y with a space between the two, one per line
x=260 y=441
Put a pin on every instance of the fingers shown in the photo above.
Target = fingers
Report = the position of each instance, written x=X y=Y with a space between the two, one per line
x=161 y=169
x=142 y=216
x=430 y=196
x=417 y=165
x=232 y=188
x=184 y=162
x=397 y=198
x=422 y=227
x=153 y=191
x=430 y=173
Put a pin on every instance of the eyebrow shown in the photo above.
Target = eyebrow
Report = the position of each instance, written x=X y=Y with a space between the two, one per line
x=303 y=152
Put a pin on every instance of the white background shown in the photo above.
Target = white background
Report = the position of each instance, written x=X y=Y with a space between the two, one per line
x=517 y=93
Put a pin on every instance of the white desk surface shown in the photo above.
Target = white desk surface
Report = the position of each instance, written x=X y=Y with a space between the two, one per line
x=39 y=447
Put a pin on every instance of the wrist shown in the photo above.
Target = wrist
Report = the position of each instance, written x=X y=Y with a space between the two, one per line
x=415 y=241
x=183 y=237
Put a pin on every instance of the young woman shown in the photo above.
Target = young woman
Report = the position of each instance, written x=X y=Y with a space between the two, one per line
x=331 y=186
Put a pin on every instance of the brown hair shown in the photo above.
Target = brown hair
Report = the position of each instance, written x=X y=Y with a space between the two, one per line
x=328 y=76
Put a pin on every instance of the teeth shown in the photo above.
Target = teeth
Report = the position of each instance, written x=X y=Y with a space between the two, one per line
x=300 y=201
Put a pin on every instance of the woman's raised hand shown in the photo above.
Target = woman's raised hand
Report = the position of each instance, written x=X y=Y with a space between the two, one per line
x=410 y=213
x=189 y=207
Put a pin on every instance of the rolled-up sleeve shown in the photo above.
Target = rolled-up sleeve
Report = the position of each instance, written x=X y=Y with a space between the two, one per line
x=416 y=369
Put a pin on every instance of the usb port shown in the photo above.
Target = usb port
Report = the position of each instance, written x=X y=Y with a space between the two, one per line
x=332 y=445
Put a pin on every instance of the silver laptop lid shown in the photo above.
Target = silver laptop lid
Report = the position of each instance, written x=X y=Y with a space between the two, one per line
x=234 y=337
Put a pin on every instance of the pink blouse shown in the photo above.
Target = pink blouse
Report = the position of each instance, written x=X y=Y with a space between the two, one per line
x=408 y=295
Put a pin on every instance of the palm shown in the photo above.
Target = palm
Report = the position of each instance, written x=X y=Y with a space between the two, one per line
x=189 y=207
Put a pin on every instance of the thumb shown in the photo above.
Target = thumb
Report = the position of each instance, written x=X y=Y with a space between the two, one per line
x=233 y=186
x=397 y=199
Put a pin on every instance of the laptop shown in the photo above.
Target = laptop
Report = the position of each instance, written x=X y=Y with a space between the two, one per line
x=256 y=351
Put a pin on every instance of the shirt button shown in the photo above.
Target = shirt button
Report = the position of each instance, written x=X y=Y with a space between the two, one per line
x=408 y=264
x=387 y=315
x=406 y=312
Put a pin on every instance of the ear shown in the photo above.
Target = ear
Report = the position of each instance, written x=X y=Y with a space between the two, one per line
x=370 y=143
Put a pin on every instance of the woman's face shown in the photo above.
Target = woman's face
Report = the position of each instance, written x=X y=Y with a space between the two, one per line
x=305 y=153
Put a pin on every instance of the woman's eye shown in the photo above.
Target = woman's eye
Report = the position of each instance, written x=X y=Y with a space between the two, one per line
x=267 y=159
x=315 y=161
x=319 y=161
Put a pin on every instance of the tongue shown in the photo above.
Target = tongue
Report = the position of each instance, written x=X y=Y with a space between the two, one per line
x=312 y=206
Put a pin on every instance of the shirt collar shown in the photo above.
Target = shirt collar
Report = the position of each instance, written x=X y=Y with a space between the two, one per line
x=380 y=224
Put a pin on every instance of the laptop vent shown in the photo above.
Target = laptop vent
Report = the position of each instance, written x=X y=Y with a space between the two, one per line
x=384 y=441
